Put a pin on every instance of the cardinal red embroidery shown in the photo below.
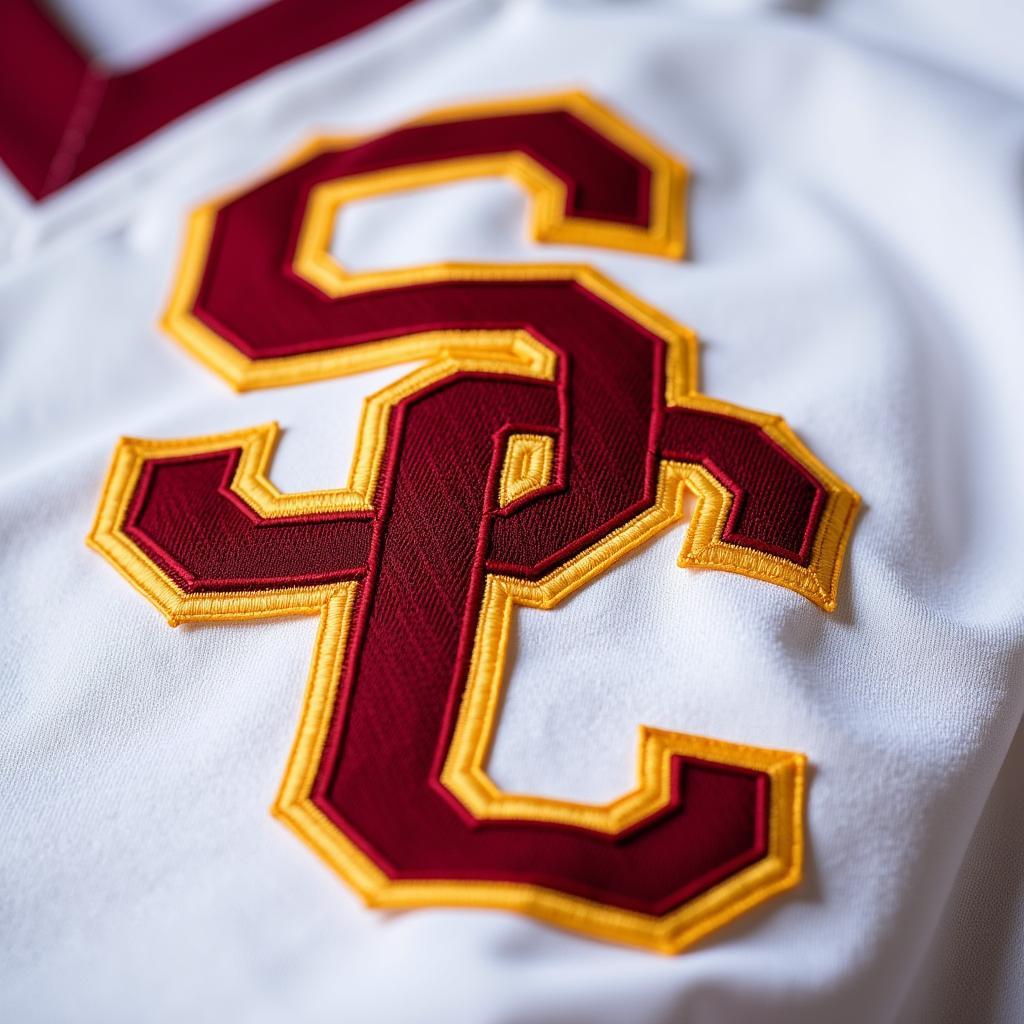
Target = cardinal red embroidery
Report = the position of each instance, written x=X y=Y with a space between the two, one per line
x=551 y=424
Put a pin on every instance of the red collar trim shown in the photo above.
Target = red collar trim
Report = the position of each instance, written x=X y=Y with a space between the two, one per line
x=65 y=115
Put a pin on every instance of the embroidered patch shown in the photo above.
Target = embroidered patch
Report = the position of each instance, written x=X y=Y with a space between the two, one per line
x=551 y=426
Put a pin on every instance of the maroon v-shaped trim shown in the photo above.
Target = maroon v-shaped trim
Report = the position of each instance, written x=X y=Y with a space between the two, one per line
x=61 y=115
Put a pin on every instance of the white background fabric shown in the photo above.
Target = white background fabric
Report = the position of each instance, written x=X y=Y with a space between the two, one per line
x=856 y=264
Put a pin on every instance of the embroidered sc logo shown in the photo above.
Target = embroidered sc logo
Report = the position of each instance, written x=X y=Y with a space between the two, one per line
x=551 y=424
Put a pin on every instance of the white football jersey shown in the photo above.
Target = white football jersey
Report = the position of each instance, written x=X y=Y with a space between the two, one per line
x=578 y=445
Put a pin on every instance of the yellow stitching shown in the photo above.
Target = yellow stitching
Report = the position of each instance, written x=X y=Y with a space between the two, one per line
x=665 y=236
x=779 y=870
x=527 y=466
x=450 y=352
x=464 y=772
x=442 y=353
x=245 y=374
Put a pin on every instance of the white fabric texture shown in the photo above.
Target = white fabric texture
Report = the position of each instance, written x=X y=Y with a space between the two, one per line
x=857 y=259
